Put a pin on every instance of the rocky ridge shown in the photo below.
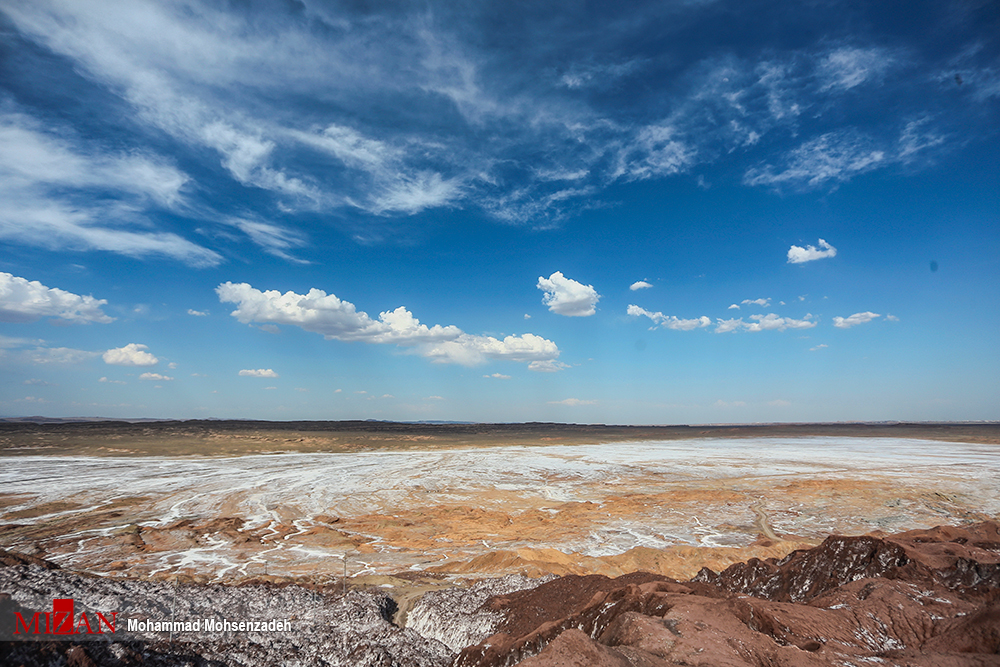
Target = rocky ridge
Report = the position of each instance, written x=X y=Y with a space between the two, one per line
x=920 y=598
x=924 y=598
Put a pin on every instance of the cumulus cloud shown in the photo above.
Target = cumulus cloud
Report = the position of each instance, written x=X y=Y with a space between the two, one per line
x=638 y=285
x=498 y=376
x=891 y=318
x=105 y=379
x=799 y=255
x=565 y=296
x=132 y=354
x=769 y=322
x=669 y=321
x=333 y=318
x=772 y=322
x=818 y=347
x=197 y=313
x=763 y=303
x=154 y=376
x=22 y=300
x=572 y=402
x=733 y=306
x=854 y=320
x=258 y=373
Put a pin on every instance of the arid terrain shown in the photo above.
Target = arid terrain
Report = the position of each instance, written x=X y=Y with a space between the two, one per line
x=411 y=509
x=231 y=500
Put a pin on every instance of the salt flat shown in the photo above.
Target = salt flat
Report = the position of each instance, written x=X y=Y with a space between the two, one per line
x=484 y=510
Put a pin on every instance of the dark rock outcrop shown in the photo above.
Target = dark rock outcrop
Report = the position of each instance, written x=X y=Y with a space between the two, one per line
x=325 y=628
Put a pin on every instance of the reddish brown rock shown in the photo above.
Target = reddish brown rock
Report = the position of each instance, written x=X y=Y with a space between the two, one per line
x=919 y=598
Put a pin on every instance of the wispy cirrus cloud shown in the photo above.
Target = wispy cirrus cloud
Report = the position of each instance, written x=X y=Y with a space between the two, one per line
x=848 y=67
x=297 y=104
x=832 y=157
x=62 y=194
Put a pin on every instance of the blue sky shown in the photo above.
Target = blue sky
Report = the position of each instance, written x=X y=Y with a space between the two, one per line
x=664 y=212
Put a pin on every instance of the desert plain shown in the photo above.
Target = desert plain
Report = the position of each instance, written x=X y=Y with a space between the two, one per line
x=412 y=506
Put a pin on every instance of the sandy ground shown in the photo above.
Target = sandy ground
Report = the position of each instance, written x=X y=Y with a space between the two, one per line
x=426 y=508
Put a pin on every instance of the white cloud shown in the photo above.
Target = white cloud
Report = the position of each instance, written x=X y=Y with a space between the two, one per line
x=274 y=239
x=104 y=379
x=59 y=195
x=772 y=322
x=197 y=313
x=669 y=321
x=913 y=139
x=56 y=355
x=26 y=301
x=132 y=354
x=818 y=347
x=733 y=307
x=258 y=373
x=848 y=67
x=565 y=296
x=799 y=255
x=527 y=316
x=763 y=303
x=854 y=320
x=572 y=402
x=334 y=318
x=656 y=150
x=38 y=383
x=891 y=318
x=547 y=366
x=498 y=376
x=835 y=156
x=638 y=285
x=260 y=87
x=41 y=354
x=769 y=322
x=154 y=376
